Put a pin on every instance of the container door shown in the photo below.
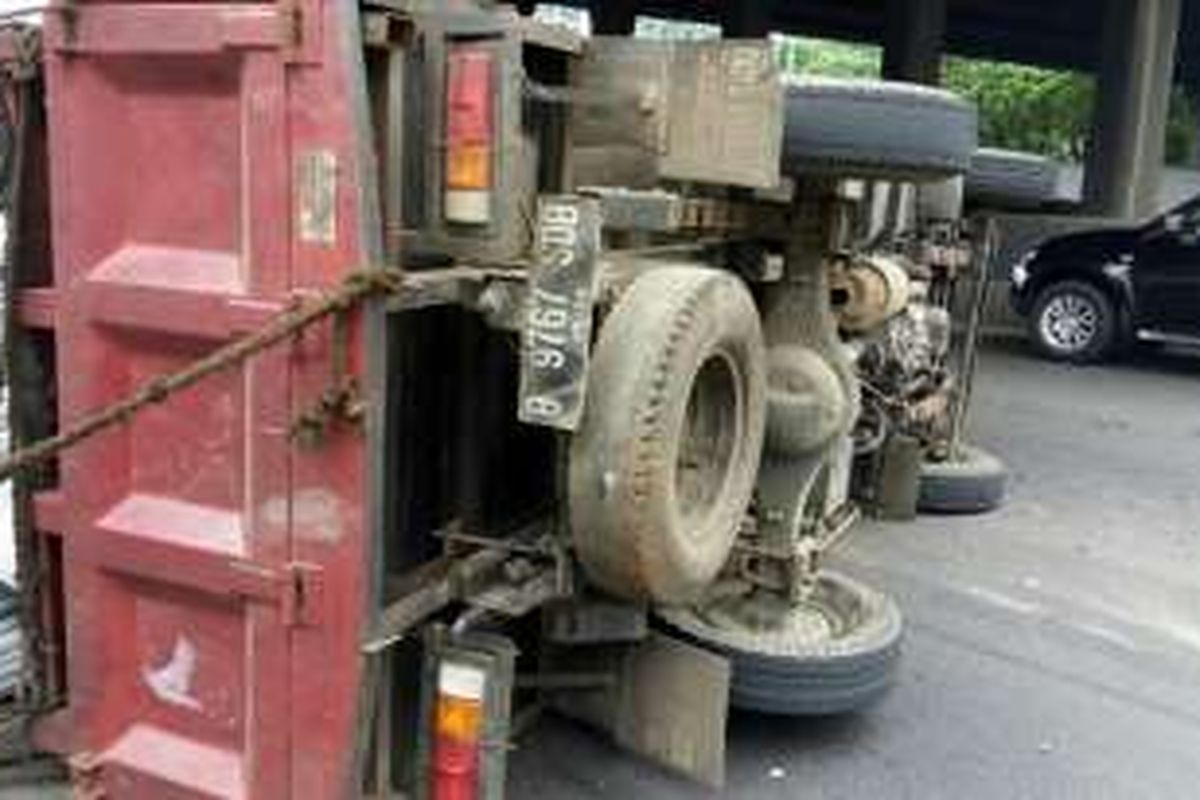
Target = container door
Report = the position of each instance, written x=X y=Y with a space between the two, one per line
x=206 y=171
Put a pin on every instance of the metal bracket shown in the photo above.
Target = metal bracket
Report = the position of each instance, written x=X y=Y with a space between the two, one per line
x=595 y=621
x=510 y=576
x=794 y=571
x=21 y=52
x=341 y=401
x=300 y=595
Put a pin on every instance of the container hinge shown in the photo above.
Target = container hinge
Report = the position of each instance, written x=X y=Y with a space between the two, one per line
x=301 y=594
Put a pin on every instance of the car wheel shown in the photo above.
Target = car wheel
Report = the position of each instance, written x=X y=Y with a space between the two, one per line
x=1076 y=322
x=663 y=467
x=833 y=652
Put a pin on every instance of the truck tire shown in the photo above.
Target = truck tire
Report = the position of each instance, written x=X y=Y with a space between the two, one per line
x=1011 y=179
x=876 y=129
x=834 y=654
x=664 y=464
x=973 y=483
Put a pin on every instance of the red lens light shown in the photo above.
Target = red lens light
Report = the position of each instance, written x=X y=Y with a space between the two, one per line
x=469 y=123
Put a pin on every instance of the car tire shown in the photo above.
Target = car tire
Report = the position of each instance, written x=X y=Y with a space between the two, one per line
x=1059 y=339
x=1011 y=179
x=974 y=482
x=801 y=670
x=876 y=129
x=663 y=467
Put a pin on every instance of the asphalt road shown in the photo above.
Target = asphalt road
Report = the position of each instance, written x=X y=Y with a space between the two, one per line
x=1053 y=647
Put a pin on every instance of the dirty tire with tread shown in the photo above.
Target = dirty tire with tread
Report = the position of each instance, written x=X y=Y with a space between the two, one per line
x=878 y=129
x=971 y=484
x=663 y=466
x=794 y=673
x=1011 y=178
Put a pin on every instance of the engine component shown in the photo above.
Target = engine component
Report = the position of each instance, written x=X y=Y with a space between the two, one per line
x=869 y=291
x=807 y=406
x=941 y=201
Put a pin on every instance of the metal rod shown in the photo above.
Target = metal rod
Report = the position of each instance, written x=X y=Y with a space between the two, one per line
x=970 y=359
x=668 y=249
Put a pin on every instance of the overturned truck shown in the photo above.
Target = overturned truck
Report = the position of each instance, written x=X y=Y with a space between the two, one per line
x=584 y=452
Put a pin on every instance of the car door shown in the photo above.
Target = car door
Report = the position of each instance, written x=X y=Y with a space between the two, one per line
x=1167 y=274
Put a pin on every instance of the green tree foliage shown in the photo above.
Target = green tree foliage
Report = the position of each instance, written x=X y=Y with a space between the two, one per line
x=1183 y=130
x=802 y=56
x=1026 y=108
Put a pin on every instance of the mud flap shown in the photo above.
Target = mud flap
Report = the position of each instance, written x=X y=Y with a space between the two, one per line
x=661 y=699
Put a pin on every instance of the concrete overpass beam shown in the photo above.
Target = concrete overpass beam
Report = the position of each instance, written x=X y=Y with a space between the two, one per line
x=613 y=17
x=914 y=38
x=1125 y=155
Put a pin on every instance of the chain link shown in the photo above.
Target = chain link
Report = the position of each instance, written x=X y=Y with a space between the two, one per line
x=354 y=290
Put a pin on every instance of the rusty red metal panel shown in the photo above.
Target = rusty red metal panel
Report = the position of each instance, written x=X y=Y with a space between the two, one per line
x=214 y=568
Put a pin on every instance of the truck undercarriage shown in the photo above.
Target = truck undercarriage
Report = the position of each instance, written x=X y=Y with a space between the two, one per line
x=583 y=449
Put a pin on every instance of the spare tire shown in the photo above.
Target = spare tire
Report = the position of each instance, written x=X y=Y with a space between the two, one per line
x=1011 y=179
x=833 y=653
x=664 y=464
x=876 y=129
x=972 y=483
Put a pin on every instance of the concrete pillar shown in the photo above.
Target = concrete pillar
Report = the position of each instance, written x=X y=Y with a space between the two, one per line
x=745 y=20
x=613 y=17
x=1125 y=155
x=914 y=37
x=1192 y=92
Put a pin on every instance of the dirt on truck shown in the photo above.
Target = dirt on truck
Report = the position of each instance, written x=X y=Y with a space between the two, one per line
x=387 y=374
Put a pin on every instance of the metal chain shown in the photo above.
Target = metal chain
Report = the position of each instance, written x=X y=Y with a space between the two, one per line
x=354 y=290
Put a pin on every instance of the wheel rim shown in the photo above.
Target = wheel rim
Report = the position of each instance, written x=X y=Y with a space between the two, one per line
x=739 y=617
x=1070 y=323
x=761 y=612
x=708 y=441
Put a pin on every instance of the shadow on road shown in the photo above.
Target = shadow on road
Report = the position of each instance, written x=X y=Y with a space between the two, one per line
x=1149 y=358
x=748 y=731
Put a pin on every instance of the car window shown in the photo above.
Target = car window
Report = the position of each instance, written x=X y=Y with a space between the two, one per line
x=1185 y=215
x=1181 y=223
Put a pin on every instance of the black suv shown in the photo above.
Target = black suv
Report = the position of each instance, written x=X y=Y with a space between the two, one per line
x=1086 y=295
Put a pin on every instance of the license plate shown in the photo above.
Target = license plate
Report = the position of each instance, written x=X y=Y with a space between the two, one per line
x=557 y=330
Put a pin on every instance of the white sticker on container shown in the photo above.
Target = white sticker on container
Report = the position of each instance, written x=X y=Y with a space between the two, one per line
x=316 y=196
